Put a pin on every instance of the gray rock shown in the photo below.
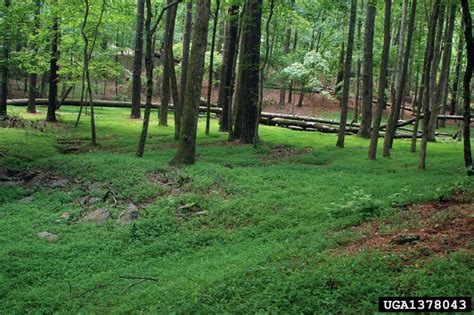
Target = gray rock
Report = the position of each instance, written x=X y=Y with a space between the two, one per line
x=50 y=237
x=65 y=216
x=98 y=215
x=58 y=183
x=130 y=214
x=27 y=199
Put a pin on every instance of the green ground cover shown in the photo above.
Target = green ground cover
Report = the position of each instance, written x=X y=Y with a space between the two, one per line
x=264 y=229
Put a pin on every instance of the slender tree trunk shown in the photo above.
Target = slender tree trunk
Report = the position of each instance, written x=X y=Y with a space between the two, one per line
x=467 y=85
x=430 y=46
x=347 y=75
x=33 y=76
x=286 y=50
x=137 y=62
x=4 y=64
x=367 y=81
x=188 y=22
x=149 y=53
x=149 y=78
x=228 y=59
x=457 y=74
x=168 y=44
x=211 y=67
x=340 y=72
x=186 y=153
x=53 y=72
x=290 y=87
x=401 y=81
x=248 y=78
x=262 y=72
x=359 y=64
x=382 y=99
x=441 y=97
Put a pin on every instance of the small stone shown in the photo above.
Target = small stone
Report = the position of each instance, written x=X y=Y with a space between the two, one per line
x=50 y=237
x=98 y=215
x=65 y=216
x=58 y=183
x=27 y=199
x=130 y=214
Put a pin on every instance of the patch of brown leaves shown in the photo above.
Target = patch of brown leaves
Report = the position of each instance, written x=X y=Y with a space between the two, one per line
x=279 y=152
x=421 y=230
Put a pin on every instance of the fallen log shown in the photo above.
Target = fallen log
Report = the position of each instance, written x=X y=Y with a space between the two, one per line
x=266 y=115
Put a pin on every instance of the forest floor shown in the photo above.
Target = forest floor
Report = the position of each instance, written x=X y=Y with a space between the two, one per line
x=294 y=226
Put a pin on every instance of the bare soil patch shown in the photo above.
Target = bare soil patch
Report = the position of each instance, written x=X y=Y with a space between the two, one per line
x=421 y=230
x=279 y=152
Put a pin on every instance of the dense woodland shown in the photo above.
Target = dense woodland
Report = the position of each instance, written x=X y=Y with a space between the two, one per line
x=383 y=57
x=348 y=102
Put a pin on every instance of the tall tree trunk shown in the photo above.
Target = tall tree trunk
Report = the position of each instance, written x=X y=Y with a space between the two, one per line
x=401 y=81
x=188 y=22
x=290 y=87
x=359 y=64
x=174 y=89
x=347 y=76
x=457 y=74
x=149 y=52
x=382 y=99
x=367 y=82
x=467 y=86
x=435 y=96
x=165 y=86
x=4 y=64
x=340 y=72
x=211 y=67
x=262 y=71
x=33 y=76
x=149 y=78
x=248 y=78
x=53 y=72
x=286 y=50
x=430 y=46
x=137 y=62
x=228 y=59
x=186 y=153
x=442 y=90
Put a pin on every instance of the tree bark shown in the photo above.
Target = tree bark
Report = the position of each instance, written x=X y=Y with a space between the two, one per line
x=347 y=76
x=340 y=72
x=186 y=153
x=188 y=22
x=228 y=59
x=359 y=65
x=442 y=91
x=382 y=99
x=467 y=86
x=430 y=46
x=286 y=50
x=457 y=74
x=401 y=80
x=33 y=77
x=211 y=66
x=248 y=78
x=149 y=78
x=137 y=61
x=367 y=79
x=4 y=64
x=53 y=71
x=167 y=62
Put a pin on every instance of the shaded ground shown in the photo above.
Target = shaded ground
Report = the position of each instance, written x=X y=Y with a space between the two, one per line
x=244 y=230
x=421 y=230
